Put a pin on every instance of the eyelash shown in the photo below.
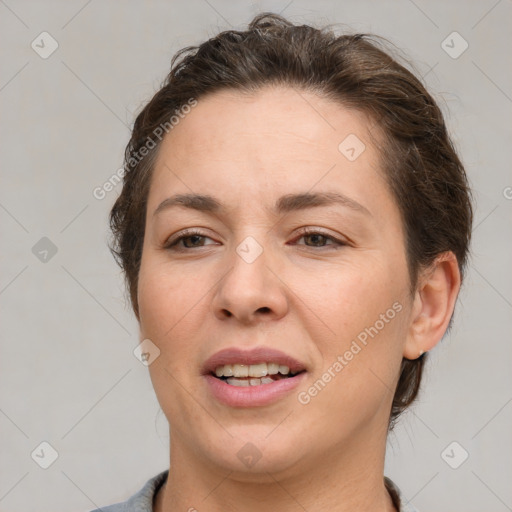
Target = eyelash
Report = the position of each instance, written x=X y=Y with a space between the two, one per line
x=303 y=232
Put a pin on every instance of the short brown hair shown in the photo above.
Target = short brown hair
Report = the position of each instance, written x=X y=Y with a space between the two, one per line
x=419 y=161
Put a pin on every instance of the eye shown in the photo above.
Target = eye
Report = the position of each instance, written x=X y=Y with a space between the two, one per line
x=317 y=237
x=191 y=235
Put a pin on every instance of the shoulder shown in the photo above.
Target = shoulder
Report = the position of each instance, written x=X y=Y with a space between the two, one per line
x=142 y=501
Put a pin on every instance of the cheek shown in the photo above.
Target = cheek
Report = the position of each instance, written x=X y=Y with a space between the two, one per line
x=154 y=295
x=354 y=382
x=354 y=296
x=168 y=299
x=173 y=305
x=170 y=305
x=365 y=308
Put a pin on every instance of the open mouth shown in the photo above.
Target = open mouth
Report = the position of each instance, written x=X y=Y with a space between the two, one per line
x=257 y=377
x=243 y=375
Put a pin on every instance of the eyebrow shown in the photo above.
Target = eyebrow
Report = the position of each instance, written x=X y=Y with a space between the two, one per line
x=285 y=204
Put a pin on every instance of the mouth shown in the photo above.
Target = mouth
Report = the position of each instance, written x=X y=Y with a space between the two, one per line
x=241 y=378
x=261 y=374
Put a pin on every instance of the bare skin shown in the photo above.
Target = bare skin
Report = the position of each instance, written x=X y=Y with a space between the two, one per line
x=309 y=296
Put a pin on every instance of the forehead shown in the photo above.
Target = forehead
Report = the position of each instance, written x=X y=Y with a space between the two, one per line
x=280 y=117
x=261 y=145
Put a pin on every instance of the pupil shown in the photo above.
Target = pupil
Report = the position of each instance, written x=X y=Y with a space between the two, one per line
x=193 y=237
x=315 y=237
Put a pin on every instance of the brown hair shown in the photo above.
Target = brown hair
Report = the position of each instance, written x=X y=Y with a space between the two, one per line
x=418 y=159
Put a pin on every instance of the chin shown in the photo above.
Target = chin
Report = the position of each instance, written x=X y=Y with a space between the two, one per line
x=252 y=453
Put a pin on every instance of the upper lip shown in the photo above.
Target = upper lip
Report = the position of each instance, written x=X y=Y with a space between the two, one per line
x=254 y=356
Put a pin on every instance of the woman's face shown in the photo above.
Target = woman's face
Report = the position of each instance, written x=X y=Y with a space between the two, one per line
x=333 y=303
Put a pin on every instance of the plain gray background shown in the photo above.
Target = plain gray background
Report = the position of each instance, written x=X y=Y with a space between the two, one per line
x=67 y=370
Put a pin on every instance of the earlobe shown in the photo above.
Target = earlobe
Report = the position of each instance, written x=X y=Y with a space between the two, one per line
x=434 y=302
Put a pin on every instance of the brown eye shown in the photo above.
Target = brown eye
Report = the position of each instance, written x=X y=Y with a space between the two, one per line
x=318 y=239
x=192 y=236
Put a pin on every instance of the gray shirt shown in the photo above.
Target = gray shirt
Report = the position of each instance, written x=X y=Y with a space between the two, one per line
x=142 y=501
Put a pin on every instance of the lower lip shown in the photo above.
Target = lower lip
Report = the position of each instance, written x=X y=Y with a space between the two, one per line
x=252 y=396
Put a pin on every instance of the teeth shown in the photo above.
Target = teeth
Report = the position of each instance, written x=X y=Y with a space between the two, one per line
x=249 y=382
x=240 y=370
x=238 y=382
x=256 y=371
x=272 y=368
x=284 y=370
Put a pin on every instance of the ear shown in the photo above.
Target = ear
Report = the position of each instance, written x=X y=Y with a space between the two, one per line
x=434 y=301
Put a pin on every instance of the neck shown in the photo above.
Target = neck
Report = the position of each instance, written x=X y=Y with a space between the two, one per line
x=350 y=478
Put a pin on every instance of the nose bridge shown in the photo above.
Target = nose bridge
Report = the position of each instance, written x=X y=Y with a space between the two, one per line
x=250 y=249
x=250 y=288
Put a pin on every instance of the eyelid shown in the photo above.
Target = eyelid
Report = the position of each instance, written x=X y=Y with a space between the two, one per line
x=305 y=231
x=188 y=232
x=309 y=230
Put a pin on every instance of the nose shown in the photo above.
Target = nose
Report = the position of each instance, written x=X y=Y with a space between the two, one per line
x=251 y=291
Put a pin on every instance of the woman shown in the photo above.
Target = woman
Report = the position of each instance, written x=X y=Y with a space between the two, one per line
x=293 y=226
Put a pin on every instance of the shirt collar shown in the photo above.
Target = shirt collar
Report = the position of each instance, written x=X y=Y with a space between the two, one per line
x=143 y=500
